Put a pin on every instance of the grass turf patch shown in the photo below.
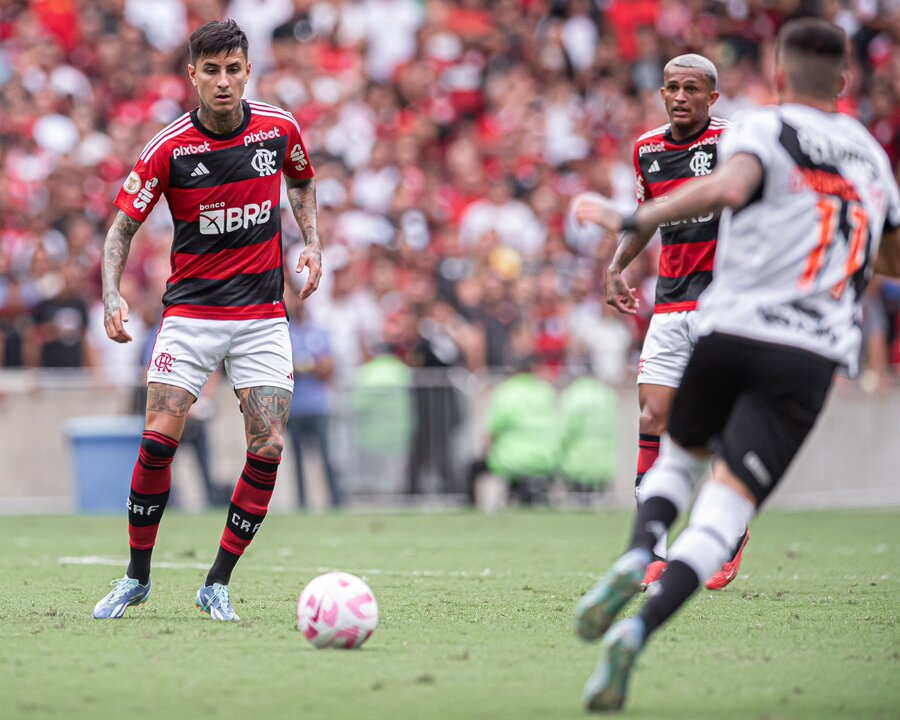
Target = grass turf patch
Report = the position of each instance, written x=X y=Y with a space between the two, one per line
x=476 y=619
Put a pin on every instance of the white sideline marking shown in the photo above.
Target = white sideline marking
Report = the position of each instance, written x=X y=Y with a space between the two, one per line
x=165 y=564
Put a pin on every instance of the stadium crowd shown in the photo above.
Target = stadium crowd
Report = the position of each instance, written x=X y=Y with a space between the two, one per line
x=447 y=135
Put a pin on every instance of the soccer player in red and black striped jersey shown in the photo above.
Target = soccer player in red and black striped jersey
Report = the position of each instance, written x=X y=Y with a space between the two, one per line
x=664 y=159
x=220 y=168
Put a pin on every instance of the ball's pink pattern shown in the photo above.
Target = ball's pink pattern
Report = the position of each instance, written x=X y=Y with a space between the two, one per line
x=337 y=610
x=354 y=603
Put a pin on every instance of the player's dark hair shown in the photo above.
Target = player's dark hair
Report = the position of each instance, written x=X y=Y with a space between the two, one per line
x=215 y=38
x=813 y=54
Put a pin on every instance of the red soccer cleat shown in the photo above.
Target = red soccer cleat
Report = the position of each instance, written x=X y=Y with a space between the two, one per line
x=729 y=570
x=653 y=573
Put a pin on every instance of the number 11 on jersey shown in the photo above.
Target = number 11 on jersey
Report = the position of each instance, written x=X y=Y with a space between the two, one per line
x=830 y=209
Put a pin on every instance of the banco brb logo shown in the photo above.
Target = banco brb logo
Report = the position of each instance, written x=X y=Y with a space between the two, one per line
x=215 y=218
x=264 y=162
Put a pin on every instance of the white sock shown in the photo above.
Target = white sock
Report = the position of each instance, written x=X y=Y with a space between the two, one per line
x=720 y=515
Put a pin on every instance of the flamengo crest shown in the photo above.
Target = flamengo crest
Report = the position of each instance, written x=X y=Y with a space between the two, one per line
x=701 y=163
x=264 y=162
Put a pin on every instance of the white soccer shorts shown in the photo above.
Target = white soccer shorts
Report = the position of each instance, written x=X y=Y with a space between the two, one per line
x=256 y=353
x=667 y=348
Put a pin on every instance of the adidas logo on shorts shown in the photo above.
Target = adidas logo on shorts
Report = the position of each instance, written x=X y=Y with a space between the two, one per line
x=200 y=170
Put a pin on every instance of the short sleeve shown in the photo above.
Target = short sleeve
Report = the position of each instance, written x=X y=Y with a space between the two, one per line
x=641 y=189
x=752 y=132
x=297 y=164
x=145 y=184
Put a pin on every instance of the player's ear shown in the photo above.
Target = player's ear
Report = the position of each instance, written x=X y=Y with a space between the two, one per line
x=844 y=85
x=778 y=79
x=713 y=96
x=192 y=73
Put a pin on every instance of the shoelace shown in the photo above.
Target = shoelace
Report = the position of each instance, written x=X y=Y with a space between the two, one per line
x=123 y=586
x=221 y=594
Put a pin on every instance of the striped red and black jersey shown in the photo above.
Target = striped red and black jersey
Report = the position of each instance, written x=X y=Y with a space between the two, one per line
x=223 y=192
x=661 y=164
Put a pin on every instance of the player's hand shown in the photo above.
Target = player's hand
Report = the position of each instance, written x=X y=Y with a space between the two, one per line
x=311 y=259
x=619 y=295
x=115 y=315
x=590 y=207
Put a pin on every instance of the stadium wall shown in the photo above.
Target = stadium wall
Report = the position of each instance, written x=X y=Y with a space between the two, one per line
x=851 y=461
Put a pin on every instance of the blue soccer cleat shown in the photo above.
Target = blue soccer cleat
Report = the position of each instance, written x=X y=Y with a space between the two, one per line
x=214 y=599
x=125 y=593
x=596 y=611
x=605 y=690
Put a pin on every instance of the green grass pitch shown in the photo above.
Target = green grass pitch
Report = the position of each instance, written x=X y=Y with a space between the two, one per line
x=476 y=616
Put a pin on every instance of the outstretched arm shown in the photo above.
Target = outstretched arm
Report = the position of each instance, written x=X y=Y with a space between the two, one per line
x=594 y=208
x=302 y=196
x=731 y=185
x=115 y=255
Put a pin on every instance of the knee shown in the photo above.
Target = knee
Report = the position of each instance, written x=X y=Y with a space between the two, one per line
x=271 y=449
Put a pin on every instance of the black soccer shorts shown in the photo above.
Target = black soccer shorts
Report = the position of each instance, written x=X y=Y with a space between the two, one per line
x=752 y=403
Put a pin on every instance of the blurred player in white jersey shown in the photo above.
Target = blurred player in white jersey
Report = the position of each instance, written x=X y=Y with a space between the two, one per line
x=810 y=209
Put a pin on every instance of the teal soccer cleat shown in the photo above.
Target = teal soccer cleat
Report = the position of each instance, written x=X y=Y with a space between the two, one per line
x=605 y=690
x=214 y=599
x=596 y=611
x=125 y=593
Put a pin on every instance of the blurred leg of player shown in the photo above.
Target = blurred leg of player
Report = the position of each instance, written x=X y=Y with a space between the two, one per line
x=664 y=356
x=760 y=401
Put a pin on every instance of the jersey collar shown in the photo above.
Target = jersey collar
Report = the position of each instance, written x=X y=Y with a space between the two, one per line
x=690 y=138
x=227 y=136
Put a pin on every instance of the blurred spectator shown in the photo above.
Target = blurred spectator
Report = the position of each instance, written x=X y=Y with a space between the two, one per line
x=448 y=137
x=589 y=447
x=309 y=421
x=60 y=318
x=523 y=426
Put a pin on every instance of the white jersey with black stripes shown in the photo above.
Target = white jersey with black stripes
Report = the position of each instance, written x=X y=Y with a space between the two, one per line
x=791 y=265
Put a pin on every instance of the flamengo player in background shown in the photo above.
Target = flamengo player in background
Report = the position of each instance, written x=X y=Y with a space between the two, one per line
x=810 y=207
x=220 y=169
x=665 y=159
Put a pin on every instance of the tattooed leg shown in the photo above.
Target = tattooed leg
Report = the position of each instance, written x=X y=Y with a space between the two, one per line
x=265 y=419
x=167 y=409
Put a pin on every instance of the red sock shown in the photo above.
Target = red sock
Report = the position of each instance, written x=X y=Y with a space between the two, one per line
x=648 y=451
x=250 y=502
x=150 y=484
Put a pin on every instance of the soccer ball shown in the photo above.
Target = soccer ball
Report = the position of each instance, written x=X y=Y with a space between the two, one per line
x=337 y=610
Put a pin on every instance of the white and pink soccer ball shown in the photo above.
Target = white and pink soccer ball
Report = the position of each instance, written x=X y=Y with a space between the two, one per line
x=337 y=610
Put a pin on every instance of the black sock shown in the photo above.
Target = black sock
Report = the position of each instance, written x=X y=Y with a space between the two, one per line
x=654 y=517
x=676 y=585
x=220 y=572
x=139 y=565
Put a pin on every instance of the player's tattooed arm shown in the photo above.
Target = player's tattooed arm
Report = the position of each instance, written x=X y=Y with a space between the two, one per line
x=265 y=412
x=115 y=255
x=302 y=196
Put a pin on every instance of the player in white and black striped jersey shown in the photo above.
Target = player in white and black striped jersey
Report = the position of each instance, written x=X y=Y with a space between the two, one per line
x=810 y=209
